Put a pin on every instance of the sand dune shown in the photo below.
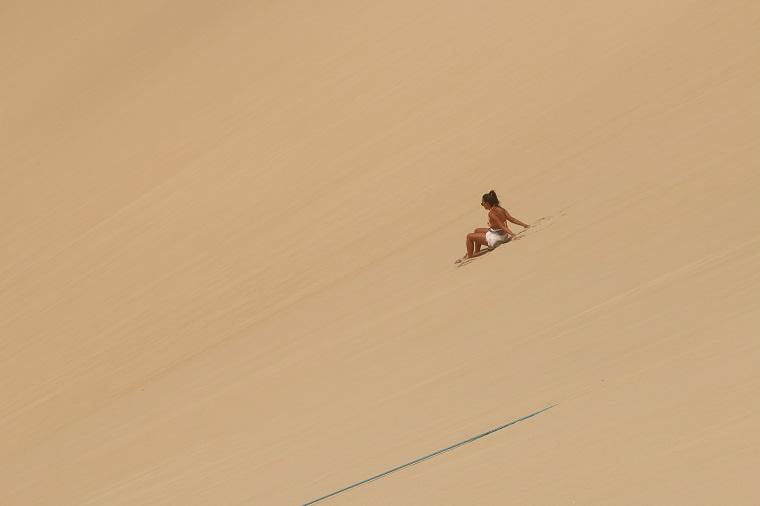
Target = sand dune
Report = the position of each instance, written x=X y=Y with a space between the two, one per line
x=228 y=233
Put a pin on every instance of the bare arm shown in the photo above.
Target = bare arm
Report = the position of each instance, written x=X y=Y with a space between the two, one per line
x=507 y=229
x=497 y=222
x=514 y=220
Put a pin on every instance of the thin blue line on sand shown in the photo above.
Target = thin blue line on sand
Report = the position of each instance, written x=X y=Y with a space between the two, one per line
x=428 y=456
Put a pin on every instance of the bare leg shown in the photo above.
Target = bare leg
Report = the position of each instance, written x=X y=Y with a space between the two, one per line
x=475 y=239
x=479 y=231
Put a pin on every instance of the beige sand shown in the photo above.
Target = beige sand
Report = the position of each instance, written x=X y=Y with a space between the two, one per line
x=228 y=233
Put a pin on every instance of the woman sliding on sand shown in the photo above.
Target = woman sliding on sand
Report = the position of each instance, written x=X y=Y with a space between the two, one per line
x=499 y=231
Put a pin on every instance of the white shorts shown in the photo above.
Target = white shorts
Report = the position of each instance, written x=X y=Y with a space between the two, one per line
x=494 y=238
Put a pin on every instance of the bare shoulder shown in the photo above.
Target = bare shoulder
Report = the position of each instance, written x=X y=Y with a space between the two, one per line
x=499 y=212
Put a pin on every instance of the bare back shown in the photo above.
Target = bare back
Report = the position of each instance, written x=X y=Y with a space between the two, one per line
x=497 y=217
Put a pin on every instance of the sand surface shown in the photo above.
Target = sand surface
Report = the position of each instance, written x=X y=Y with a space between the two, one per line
x=228 y=232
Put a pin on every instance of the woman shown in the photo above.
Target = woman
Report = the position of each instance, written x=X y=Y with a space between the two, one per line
x=499 y=231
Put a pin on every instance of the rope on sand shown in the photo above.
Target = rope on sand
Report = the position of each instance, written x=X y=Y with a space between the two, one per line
x=426 y=457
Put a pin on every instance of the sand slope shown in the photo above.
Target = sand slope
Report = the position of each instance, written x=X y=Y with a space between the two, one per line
x=228 y=231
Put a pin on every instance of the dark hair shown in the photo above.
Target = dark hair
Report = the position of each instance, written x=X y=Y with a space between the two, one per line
x=491 y=198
